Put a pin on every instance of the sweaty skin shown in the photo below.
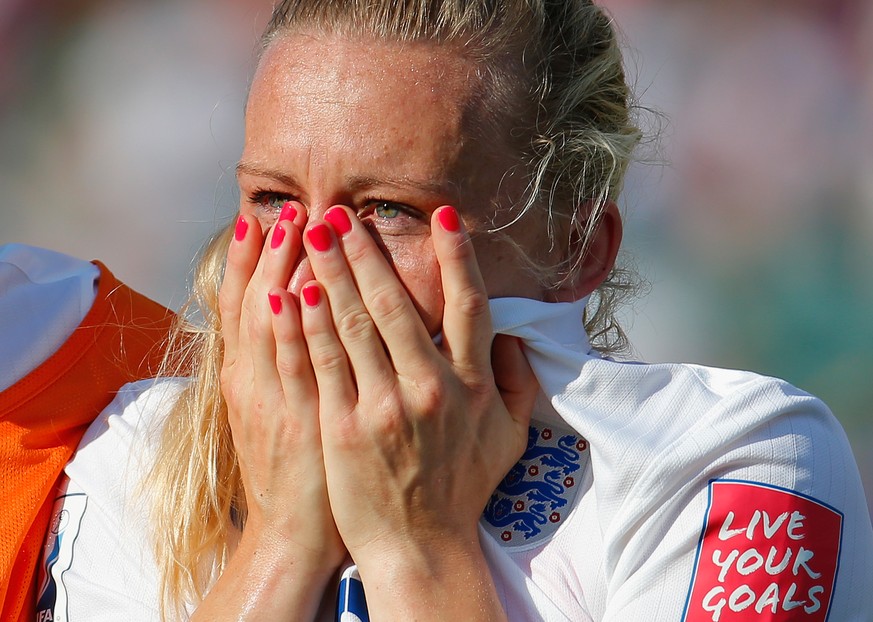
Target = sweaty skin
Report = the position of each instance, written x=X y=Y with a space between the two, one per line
x=332 y=120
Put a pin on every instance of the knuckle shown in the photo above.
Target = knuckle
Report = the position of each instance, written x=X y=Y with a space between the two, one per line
x=481 y=388
x=233 y=266
x=431 y=397
x=345 y=432
x=356 y=325
x=228 y=304
x=327 y=358
x=257 y=327
x=388 y=303
x=225 y=376
x=477 y=379
x=391 y=423
x=382 y=397
x=230 y=388
x=228 y=373
x=395 y=426
x=473 y=302
x=332 y=271
x=291 y=366
x=287 y=334
x=355 y=252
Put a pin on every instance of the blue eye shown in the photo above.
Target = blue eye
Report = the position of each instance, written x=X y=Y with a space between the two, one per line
x=268 y=201
x=273 y=201
x=386 y=209
x=392 y=218
x=276 y=201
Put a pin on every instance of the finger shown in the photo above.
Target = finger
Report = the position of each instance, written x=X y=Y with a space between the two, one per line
x=281 y=252
x=515 y=380
x=292 y=356
x=467 y=318
x=384 y=297
x=337 y=393
x=274 y=269
x=352 y=321
x=242 y=260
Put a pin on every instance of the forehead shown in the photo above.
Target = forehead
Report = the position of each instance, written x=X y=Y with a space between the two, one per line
x=389 y=104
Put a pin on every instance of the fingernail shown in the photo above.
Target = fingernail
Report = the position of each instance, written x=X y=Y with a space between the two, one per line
x=275 y=303
x=241 y=227
x=311 y=295
x=278 y=235
x=288 y=212
x=319 y=237
x=448 y=218
x=338 y=218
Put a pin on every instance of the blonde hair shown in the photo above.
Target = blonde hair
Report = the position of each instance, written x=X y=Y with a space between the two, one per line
x=552 y=76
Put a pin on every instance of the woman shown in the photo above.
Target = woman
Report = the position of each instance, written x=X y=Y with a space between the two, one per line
x=405 y=164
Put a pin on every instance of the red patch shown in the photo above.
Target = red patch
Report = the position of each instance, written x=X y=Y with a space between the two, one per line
x=765 y=553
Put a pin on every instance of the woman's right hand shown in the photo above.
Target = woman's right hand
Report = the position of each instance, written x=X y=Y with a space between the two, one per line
x=289 y=547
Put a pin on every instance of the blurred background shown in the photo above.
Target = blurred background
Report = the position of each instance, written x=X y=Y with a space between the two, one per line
x=751 y=218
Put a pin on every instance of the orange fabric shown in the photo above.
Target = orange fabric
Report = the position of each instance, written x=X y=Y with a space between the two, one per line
x=44 y=415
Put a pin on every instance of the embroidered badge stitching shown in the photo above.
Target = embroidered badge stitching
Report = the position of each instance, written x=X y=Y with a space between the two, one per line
x=537 y=493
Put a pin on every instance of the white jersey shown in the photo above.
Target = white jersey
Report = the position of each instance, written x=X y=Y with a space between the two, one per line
x=701 y=495
x=97 y=563
x=44 y=296
x=647 y=492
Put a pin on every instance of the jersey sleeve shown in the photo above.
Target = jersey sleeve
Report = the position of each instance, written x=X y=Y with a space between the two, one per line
x=756 y=512
x=44 y=296
x=97 y=562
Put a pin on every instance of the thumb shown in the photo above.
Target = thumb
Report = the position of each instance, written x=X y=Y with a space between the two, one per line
x=514 y=378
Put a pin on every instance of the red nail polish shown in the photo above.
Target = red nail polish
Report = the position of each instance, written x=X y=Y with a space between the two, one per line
x=288 y=212
x=275 y=303
x=339 y=220
x=319 y=237
x=241 y=227
x=311 y=295
x=278 y=236
x=448 y=218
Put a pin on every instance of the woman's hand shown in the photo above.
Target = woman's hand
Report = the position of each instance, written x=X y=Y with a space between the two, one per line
x=416 y=437
x=290 y=546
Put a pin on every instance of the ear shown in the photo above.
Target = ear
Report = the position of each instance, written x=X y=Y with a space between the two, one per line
x=599 y=259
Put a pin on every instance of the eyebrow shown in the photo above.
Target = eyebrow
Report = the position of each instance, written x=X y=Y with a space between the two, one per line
x=431 y=187
x=354 y=182
x=248 y=168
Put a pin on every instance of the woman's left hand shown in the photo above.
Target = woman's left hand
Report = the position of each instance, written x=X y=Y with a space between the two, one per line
x=416 y=436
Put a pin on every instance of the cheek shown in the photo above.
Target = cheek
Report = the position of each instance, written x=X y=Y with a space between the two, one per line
x=418 y=270
x=504 y=270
